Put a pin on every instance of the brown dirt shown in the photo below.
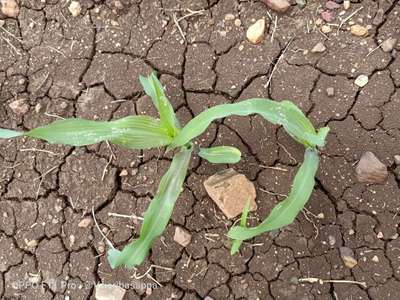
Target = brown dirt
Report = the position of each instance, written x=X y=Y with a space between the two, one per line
x=83 y=66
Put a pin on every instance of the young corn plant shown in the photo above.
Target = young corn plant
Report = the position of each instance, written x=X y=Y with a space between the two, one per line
x=144 y=132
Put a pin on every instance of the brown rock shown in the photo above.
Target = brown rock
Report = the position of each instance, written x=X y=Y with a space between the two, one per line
x=255 y=33
x=19 y=107
x=231 y=191
x=109 y=292
x=9 y=8
x=277 y=5
x=370 y=170
x=182 y=236
x=359 y=30
x=347 y=256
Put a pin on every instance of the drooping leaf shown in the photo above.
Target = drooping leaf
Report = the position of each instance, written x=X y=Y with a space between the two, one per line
x=135 y=132
x=282 y=113
x=221 y=154
x=156 y=216
x=154 y=89
x=7 y=133
x=243 y=221
x=286 y=211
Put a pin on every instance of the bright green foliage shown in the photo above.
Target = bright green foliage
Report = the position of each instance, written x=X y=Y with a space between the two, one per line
x=157 y=215
x=142 y=132
x=221 y=154
x=286 y=211
x=243 y=220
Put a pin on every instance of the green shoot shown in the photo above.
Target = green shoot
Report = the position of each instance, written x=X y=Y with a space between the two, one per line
x=243 y=221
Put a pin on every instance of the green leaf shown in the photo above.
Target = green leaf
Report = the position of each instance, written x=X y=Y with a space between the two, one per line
x=243 y=220
x=154 y=89
x=7 y=133
x=286 y=211
x=135 y=132
x=282 y=113
x=221 y=154
x=157 y=215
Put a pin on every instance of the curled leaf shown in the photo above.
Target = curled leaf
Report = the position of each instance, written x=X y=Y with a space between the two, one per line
x=221 y=154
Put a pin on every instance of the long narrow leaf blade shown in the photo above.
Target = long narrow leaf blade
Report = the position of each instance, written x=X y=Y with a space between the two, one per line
x=282 y=113
x=135 y=132
x=154 y=89
x=243 y=221
x=221 y=154
x=7 y=133
x=156 y=216
x=286 y=211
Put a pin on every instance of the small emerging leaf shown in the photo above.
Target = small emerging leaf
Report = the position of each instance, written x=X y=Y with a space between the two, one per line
x=286 y=211
x=243 y=221
x=7 y=133
x=154 y=89
x=221 y=154
x=157 y=215
x=135 y=132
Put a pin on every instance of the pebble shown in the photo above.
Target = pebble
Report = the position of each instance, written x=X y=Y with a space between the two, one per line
x=2 y=22
x=238 y=23
x=379 y=235
x=332 y=5
x=375 y=258
x=347 y=256
x=75 y=8
x=229 y=17
x=19 y=107
x=361 y=81
x=378 y=19
x=123 y=173
x=346 y=4
x=359 y=30
x=326 y=29
x=370 y=169
x=330 y=91
x=331 y=240
x=388 y=45
x=182 y=236
x=255 y=33
x=319 y=22
x=84 y=222
x=328 y=16
x=109 y=292
x=397 y=160
x=231 y=190
x=277 y=5
x=9 y=8
x=318 y=48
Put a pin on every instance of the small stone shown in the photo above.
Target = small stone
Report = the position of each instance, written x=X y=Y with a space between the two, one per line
x=75 y=8
x=9 y=8
x=255 y=33
x=378 y=19
x=182 y=236
x=330 y=91
x=388 y=45
x=301 y=3
x=397 y=160
x=208 y=298
x=2 y=22
x=231 y=191
x=321 y=216
x=326 y=29
x=84 y=222
x=379 y=235
x=229 y=17
x=359 y=30
x=109 y=292
x=331 y=240
x=319 y=22
x=346 y=4
x=238 y=23
x=277 y=5
x=332 y=5
x=347 y=256
x=31 y=243
x=123 y=173
x=328 y=16
x=361 y=81
x=370 y=170
x=375 y=258
x=19 y=107
x=318 y=48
